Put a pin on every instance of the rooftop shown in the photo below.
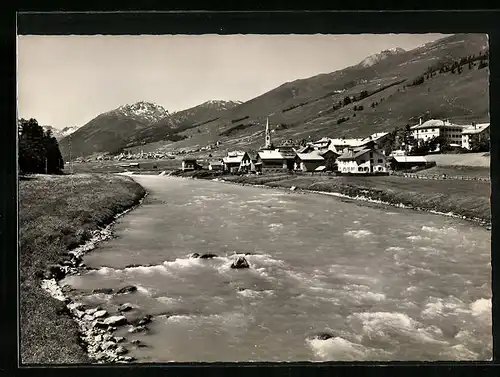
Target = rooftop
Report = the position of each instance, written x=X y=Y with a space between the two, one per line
x=270 y=155
x=410 y=158
x=235 y=153
x=435 y=123
x=352 y=155
x=311 y=156
x=469 y=130
x=233 y=159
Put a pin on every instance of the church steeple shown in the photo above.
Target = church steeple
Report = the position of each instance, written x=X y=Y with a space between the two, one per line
x=268 y=144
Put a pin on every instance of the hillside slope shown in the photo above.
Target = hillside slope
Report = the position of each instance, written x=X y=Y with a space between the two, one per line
x=446 y=78
x=136 y=125
x=311 y=107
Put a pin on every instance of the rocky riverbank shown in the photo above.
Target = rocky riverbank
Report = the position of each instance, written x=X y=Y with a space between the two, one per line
x=96 y=326
x=56 y=215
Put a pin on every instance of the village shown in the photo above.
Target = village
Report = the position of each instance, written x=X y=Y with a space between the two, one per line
x=363 y=156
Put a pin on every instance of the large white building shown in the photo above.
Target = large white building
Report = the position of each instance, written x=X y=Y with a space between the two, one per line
x=465 y=136
x=451 y=133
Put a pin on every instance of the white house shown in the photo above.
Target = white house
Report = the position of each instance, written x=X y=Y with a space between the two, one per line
x=362 y=161
x=474 y=134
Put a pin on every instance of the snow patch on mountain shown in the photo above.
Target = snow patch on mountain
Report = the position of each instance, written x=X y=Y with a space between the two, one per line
x=221 y=104
x=68 y=131
x=145 y=110
x=376 y=58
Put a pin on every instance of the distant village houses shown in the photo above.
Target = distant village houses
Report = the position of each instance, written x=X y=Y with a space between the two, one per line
x=345 y=155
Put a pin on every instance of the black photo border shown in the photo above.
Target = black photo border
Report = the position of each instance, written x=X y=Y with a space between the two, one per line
x=232 y=22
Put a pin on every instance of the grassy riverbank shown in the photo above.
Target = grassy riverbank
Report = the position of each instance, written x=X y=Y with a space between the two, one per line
x=56 y=213
x=465 y=198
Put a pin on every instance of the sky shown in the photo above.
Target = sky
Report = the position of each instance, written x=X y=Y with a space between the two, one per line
x=67 y=81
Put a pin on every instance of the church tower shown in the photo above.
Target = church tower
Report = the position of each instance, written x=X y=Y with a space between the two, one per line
x=268 y=144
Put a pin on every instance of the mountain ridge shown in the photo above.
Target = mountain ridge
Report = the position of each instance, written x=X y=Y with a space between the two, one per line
x=315 y=106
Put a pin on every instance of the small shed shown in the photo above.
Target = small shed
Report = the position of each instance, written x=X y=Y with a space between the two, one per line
x=189 y=164
x=216 y=165
x=407 y=162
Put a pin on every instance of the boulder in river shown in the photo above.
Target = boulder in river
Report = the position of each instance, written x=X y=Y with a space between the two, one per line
x=121 y=350
x=100 y=314
x=115 y=320
x=239 y=263
x=194 y=255
x=108 y=345
x=145 y=320
x=208 y=256
x=106 y=291
x=136 y=329
x=91 y=311
x=323 y=336
x=138 y=343
x=127 y=289
x=99 y=324
x=125 y=307
x=75 y=306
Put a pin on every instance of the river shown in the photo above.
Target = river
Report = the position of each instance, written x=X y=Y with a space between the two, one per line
x=386 y=283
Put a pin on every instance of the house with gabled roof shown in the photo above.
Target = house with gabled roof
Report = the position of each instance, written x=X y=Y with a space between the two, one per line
x=362 y=161
x=272 y=160
x=237 y=161
x=255 y=161
x=308 y=161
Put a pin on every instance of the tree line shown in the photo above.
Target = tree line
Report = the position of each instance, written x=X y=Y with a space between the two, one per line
x=38 y=149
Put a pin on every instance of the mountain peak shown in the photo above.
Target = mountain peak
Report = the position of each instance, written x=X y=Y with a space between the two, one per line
x=147 y=110
x=375 y=58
